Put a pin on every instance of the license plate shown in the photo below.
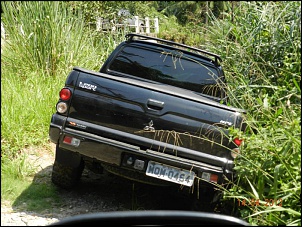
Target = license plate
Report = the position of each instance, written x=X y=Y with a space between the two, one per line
x=170 y=173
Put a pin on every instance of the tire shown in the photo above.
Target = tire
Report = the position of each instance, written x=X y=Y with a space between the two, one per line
x=65 y=175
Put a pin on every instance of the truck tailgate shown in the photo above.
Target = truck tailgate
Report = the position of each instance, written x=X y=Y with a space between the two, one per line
x=150 y=110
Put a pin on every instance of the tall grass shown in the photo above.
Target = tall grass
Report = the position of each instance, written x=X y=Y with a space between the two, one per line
x=41 y=35
x=27 y=103
x=262 y=52
x=44 y=41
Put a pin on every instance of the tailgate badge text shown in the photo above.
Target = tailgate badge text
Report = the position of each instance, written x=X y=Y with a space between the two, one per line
x=226 y=123
x=87 y=86
x=77 y=125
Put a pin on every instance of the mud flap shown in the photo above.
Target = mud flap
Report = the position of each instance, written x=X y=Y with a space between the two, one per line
x=67 y=168
x=68 y=158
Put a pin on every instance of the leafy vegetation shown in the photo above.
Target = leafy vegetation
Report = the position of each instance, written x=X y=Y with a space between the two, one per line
x=260 y=43
x=262 y=52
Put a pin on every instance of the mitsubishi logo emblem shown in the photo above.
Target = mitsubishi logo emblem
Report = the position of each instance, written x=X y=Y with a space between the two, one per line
x=149 y=127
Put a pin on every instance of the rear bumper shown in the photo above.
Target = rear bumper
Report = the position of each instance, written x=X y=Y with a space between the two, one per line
x=115 y=153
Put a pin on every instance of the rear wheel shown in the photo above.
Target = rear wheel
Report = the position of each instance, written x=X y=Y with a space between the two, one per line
x=67 y=169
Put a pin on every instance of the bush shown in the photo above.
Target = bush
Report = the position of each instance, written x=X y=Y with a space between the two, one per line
x=261 y=48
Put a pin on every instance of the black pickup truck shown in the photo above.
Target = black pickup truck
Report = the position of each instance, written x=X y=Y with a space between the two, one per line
x=154 y=113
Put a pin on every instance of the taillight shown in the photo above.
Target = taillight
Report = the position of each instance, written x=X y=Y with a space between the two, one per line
x=65 y=94
x=236 y=151
x=71 y=141
x=209 y=177
x=237 y=141
x=62 y=107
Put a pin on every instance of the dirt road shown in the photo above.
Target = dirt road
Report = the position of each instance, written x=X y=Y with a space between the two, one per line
x=94 y=193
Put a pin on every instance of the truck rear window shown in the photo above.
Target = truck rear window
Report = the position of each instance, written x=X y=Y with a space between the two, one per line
x=169 y=67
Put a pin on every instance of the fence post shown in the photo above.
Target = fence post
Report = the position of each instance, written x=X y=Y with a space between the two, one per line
x=136 y=24
x=98 y=23
x=147 y=21
x=156 y=25
x=2 y=35
x=2 y=31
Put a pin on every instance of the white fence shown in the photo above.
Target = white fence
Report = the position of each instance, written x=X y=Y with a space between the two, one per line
x=2 y=35
x=134 y=24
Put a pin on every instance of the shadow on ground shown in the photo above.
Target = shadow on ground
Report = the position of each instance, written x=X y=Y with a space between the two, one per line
x=97 y=193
